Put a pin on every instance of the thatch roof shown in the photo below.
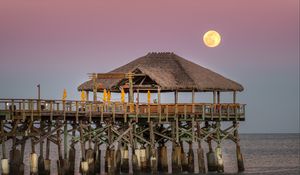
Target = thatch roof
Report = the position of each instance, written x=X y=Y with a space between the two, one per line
x=171 y=72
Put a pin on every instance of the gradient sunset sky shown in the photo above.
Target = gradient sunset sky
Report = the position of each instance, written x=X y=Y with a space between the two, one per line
x=55 y=43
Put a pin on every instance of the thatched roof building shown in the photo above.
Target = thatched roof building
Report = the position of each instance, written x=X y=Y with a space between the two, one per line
x=168 y=71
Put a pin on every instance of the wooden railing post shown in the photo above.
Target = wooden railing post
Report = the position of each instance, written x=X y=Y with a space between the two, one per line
x=220 y=111
x=159 y=112
x=90 y=113
x=149 y=113
x=39 y=108
x=203 y=112
x=113 y=111
x=31 y=109
x=6 y=106
x=184 y=111
x=212 y=106
x=77 y=111
x=12 y=109
x=235 y=111
x=228 y=112
x=23 y=110
x=167 y=113
x=101 y=111
x=64 y=110
x=125 y=112
x=51 y=110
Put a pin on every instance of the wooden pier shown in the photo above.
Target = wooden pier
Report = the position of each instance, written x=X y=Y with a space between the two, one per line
x=135 y=134
x=148 y=125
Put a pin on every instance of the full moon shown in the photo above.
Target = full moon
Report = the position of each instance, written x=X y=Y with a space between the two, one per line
x=212 y=38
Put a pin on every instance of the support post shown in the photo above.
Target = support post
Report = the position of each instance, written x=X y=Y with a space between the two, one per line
x=137 y=96
x=193 y=96
x=33 y=160
x=72 y=151
x=234 y=97
x=47 y=161
x=201 y=161
x=84 y=166
x=158 y=95
x=135 y=151
x=159 y=104
x=60 y=157
x=95 y=87
x=191 y=167
x=211 y=156
x=87 y=95
x=176 y=97
x=4 y=160
x=153 y=158
x=239 y=156
x=66 y=164
x=220 y=164
x=41 y=166
x=131 y=101
x=176 y=149
x=184 y=160
x=214 y=97
x=162 y=159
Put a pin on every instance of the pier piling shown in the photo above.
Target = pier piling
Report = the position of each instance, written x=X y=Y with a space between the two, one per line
x=190 y=165
x=239 y=156
x=162 y=162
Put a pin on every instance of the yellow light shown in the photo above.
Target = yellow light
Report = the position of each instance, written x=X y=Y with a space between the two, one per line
x=108 y=96
x=64 y=97
x=149 y=97
x=104 y=95
x=82 y=96
x=122 y=95
x=212 y=38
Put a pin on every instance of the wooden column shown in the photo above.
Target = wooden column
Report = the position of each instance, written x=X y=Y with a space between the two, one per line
x=234 y=96
x=201 y=161
x=220 y=162
x=176 y=97
x=3 y=139
x=83 y=163
x=47 y=161
x=214 y=97
x=130 y=88
x=131 y=95
x=158 y=102
x=153 y=158
x=72 y=151
x=158 y=95
x=193 y=96
x=94 y=88
x=87 y=95
x=4 y=160
x=239 y=156
x=211 y=157
x=66 y=140
x=137 y=96
x=41 y=164
x=218 y=97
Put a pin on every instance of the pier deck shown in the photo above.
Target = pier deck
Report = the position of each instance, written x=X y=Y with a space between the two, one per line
x=12 y=109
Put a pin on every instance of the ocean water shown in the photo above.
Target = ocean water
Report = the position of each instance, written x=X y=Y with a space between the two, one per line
x=263 y=154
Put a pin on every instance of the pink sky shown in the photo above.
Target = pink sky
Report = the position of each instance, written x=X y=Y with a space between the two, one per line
x=58 y=42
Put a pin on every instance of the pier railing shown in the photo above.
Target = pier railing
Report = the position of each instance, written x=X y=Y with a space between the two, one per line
x=11 y=109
